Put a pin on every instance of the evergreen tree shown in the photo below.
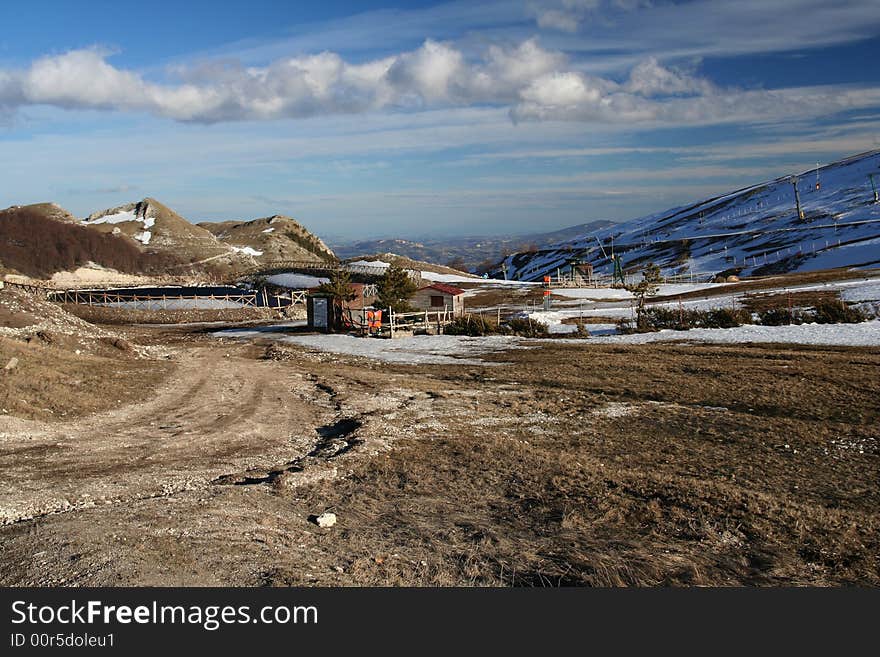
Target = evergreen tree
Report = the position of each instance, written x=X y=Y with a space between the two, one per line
x=394 y=290
x=340 y=291
x=647 y=287
x=338 y=287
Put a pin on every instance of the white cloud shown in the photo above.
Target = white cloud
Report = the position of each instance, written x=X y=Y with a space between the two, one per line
x=558 y=20
x=434 y=72
x=533 y=83
x=569 y=15
x=649 y=78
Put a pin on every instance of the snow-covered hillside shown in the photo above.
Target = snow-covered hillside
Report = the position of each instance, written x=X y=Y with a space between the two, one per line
x=755 y=230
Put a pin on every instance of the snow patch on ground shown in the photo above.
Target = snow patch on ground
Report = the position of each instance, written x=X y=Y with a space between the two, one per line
x=143 y=237
x=269 y=230
x=593 y=293
x=665 y=290
x=449 y=278
x=416 y=350
x=865 y=334
x=378 y=264
x=246 y=250
x=118 y=218
x=296 y=281
x=862 y=291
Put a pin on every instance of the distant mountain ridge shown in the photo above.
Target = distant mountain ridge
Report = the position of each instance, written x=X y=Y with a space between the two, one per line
x=467 y=253
x=751 y=231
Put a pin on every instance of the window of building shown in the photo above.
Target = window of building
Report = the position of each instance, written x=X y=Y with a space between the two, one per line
x=437 y=301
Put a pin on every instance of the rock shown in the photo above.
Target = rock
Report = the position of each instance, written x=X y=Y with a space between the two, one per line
x=325 y=520
x=13 y=362
x=732 y=279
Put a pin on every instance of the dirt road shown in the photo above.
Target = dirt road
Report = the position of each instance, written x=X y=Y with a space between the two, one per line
x=581 y=465
x=217 y=413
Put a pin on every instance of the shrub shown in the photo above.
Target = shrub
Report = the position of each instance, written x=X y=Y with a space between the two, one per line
x=680 y=319
x=655 y=319
x=527 y=328
x=472 y=325
x=582 y=331
x=780 y=316
x=625 y=327
x=836 y=312
x=725 y=318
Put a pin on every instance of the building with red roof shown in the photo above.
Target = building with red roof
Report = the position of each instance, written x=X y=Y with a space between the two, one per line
x=439 y=296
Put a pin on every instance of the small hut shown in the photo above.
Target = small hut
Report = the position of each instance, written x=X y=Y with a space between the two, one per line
x=439 y=296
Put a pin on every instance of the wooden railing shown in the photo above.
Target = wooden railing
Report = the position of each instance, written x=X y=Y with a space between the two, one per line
x=426 y=319
x=172 y=301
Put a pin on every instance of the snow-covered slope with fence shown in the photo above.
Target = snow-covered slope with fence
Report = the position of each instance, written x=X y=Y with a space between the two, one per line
x=752 y=231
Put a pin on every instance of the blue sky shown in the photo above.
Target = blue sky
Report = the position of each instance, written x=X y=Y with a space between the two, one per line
x=416 y=119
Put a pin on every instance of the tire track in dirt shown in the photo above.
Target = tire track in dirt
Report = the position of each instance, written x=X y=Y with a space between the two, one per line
x=217 y=413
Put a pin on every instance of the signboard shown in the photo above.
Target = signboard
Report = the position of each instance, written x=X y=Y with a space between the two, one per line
x=320 y=312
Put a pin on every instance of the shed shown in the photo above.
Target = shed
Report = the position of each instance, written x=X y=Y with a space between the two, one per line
x=439 y=296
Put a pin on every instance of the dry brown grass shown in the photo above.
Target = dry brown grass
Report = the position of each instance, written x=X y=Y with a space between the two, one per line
x=774 y=282
x=727 y=466
x=51 y=381
x=125 y=316
x=804 y=299
x=586 y=465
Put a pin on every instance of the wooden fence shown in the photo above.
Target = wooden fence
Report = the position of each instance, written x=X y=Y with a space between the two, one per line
x=131 y=301
x=424 y=320
x=566 y=280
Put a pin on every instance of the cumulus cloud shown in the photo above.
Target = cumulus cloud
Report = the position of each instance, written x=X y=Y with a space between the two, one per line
x=579 y=97
x=532 y=82
x=436 y=74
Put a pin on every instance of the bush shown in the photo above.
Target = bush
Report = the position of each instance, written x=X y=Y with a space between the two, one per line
x=472 y=325
x=780 y=316
x=725 y=318
x=582 y=331
x=625 y=327
x=656 y=319
x=679 y=319
x=836 y=312
x=527 y=328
